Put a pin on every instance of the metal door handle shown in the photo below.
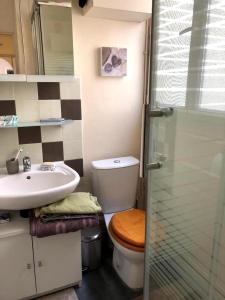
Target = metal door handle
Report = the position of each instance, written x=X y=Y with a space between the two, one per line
x=154 y=165
x=163 y=112
x=28 y=266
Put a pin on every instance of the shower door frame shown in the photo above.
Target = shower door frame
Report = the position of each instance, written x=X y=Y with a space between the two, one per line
x=192 y=102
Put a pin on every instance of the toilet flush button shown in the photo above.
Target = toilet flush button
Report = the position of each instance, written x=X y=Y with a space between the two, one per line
x=116 y=161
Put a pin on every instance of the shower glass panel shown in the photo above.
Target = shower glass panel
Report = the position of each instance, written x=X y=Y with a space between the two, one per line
x=185 y=231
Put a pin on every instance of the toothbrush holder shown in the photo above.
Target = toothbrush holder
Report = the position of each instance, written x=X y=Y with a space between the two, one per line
x=12 y=166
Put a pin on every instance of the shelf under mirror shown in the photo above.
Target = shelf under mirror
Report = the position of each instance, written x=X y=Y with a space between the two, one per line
x=38 y=123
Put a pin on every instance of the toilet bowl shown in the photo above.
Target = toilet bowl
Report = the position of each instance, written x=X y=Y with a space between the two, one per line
x=114 y=183
x=127 y=262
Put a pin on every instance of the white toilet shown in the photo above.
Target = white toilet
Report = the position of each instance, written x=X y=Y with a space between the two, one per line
x=115 y=185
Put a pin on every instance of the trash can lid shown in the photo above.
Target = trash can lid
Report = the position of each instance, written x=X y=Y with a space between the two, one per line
x=90 y=234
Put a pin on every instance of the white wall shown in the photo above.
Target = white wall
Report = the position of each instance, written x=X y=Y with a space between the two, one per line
x=111 y=106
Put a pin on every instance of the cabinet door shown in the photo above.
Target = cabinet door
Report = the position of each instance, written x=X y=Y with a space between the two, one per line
x=57 y=261
x=17 y=270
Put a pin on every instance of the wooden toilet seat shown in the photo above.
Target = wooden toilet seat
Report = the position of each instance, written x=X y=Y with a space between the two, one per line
x=128 y=229
x=123 y=243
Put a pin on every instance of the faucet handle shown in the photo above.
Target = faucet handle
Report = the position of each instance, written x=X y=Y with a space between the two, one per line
x=26 y=163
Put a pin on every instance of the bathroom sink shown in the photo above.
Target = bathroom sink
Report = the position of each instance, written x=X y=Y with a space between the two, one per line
x=36 y=188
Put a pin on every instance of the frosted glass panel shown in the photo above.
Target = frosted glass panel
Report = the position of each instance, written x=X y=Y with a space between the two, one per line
x=186 y=197
x=57 y=40
x=172 y=47
x=213 y=75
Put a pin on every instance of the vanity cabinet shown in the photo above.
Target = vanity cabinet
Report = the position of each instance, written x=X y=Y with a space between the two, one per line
x=34 y=266
x=57 y=261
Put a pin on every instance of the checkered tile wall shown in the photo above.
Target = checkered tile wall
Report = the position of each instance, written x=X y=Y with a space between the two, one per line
x=35 y=101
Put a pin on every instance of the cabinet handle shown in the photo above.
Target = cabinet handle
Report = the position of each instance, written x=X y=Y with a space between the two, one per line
x=40 y=264
x=28 y=266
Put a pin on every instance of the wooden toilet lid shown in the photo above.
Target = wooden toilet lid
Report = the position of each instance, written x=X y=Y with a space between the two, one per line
x=129 y=226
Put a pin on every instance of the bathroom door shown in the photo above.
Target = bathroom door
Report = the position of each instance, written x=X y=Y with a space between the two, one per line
x=185 y=152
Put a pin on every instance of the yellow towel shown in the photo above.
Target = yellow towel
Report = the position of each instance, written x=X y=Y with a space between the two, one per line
x=75 y=203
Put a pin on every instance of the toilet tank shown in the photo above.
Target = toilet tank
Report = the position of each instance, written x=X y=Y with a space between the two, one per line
x=115 y=183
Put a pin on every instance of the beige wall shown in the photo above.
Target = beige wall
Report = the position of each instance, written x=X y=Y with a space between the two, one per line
x=111 y=106
x=131 y=5
x=25 y=28
x=6 y=16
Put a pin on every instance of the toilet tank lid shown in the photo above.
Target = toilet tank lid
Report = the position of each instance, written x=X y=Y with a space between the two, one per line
x=115 y=163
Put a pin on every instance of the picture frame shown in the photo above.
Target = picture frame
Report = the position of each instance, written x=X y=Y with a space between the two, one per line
x=113 y=62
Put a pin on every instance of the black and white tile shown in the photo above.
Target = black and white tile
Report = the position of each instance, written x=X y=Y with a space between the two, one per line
x=7 y=107
x=48 y=90
x=35 y=101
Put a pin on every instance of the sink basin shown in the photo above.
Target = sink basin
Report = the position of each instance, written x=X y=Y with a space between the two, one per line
x=36 y=188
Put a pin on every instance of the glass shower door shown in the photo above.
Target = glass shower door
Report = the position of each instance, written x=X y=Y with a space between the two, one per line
x=185 y=153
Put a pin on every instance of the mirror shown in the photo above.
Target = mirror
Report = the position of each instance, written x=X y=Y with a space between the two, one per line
x=36 y=37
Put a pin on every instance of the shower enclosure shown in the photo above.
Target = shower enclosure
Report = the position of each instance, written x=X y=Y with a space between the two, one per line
x=185 y=152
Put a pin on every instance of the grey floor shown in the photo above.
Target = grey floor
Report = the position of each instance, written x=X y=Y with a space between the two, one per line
x=103 y=284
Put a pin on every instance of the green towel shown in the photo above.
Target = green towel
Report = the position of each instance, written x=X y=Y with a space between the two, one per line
x=75 y=203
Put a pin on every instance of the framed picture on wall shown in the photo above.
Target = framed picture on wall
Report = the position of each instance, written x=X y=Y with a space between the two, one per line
x=113 y=62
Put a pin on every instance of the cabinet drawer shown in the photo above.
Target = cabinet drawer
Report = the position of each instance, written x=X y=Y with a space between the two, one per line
x=6 y=45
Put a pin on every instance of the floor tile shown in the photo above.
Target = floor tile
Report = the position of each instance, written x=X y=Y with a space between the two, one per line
x=103 y=284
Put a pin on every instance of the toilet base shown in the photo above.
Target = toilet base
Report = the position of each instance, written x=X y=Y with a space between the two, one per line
x=130 y=271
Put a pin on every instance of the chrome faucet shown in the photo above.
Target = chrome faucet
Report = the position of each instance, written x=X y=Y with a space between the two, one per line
x=26 y=164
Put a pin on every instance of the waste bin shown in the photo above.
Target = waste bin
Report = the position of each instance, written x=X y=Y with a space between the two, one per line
x=91 y=248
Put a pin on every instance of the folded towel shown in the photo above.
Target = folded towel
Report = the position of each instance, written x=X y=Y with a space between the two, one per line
x=40 y=229
x=57 y=217
x=75 y=203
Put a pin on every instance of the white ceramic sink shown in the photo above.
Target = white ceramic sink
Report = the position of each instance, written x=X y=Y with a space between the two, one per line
x=36 y=188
